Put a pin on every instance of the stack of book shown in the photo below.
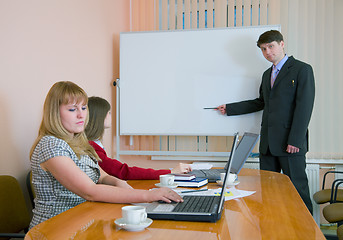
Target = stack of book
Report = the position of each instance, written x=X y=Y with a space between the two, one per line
x=190 y=181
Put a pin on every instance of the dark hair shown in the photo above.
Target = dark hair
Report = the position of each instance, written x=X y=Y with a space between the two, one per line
x=270 y=36
x=98 y=109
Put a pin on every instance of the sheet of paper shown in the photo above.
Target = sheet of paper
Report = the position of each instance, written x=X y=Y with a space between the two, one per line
x=231 y=193
x=201 y=166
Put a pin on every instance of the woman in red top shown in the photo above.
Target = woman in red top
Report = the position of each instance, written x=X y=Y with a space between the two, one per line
x=99 y=120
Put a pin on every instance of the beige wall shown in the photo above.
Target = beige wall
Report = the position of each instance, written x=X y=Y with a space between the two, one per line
x=47 y=41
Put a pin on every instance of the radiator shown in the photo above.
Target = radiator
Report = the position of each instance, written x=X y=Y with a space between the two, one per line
x=312 y=171
x=339 y=175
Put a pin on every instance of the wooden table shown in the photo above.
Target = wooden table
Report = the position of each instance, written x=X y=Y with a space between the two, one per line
x=275 y=211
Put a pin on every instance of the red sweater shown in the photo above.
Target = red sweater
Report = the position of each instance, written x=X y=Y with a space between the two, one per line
x=122 y=170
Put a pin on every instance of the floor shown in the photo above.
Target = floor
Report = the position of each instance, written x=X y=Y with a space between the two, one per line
x=330 y=232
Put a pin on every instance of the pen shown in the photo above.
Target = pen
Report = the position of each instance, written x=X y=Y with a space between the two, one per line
x=211 y=108
x=201 y=190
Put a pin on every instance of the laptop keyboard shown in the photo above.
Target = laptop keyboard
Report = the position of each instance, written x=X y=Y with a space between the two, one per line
x=195 y=204
x=208 y=173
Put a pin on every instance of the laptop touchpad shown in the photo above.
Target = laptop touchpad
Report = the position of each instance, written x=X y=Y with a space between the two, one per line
x=164 y=208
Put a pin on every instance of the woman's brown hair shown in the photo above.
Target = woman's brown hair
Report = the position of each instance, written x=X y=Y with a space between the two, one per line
x=98 y=110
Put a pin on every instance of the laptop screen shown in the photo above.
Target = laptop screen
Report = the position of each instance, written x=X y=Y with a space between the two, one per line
x=233 y=150
x=243 y=150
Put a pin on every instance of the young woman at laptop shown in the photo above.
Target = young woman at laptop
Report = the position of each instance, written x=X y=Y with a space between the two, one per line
x=65 y=169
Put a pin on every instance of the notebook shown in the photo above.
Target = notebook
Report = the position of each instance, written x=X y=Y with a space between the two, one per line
x=204 y=208
x=244 y=148
x=183 y=176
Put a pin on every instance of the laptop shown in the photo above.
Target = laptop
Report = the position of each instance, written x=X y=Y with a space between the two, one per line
x=243 y=151
x=194 y=208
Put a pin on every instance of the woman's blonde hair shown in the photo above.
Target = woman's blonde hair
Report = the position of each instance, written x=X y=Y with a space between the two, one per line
x=63 y=93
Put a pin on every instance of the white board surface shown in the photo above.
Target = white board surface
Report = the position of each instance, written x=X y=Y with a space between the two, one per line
x=168 y=77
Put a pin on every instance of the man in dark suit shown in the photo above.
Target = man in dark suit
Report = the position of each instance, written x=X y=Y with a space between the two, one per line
x=286 y=98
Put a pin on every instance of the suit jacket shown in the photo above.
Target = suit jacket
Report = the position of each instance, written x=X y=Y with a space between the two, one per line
x=287 y=108
x=121 y=170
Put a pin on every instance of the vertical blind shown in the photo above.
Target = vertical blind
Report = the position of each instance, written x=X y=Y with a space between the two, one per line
x=312 y=31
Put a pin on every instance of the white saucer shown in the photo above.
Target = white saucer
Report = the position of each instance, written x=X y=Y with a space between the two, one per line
x=169 y=186
x=229 y=184
x=133 y=227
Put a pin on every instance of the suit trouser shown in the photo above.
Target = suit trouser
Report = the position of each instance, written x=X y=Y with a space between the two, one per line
x=294 y=167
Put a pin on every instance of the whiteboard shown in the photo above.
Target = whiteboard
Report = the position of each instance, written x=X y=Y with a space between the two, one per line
x=168 y=77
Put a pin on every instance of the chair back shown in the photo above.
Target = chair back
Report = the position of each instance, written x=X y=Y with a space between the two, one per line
x=340 y=232
x=14 y=215
x=30 y=188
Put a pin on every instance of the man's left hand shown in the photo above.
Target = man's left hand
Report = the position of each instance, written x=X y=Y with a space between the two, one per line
x=292 y=149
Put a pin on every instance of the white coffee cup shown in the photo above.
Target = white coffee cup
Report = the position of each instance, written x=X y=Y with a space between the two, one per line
x=167 y=180
x=134 y=214
x=231 y=178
